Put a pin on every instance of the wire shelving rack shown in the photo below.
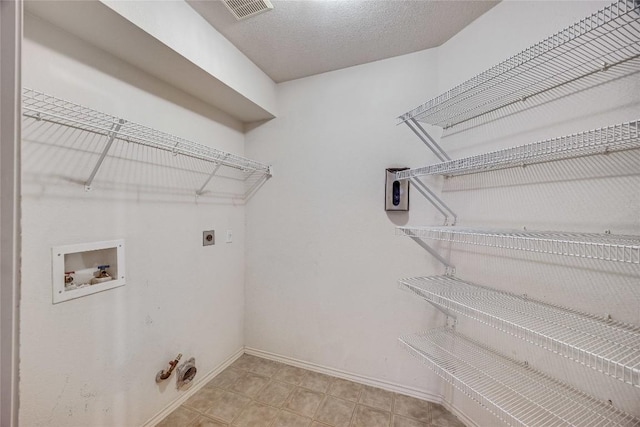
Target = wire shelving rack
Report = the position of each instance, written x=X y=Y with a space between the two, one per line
x=610 y=347
x=606 y=38
x=514 y=392
x=606 y=247
x=617 y=137
x=43 y=107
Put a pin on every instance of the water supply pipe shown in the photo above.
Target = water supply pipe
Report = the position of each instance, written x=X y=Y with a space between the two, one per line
x=166 y=373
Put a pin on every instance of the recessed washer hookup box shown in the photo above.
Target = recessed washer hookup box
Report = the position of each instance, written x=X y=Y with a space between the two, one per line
x=86 y=268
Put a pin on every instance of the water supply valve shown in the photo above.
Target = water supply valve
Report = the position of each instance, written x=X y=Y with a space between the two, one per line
x=166 y=373
x=101 y=275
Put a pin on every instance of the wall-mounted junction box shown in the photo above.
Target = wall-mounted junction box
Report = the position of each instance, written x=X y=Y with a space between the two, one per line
x=396 y=195
x=87 y=268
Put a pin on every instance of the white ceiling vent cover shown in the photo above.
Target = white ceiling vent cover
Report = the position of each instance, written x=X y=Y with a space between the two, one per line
x=243 y=9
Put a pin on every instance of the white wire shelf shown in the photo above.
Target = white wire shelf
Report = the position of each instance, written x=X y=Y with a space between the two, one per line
x=40 y=106
x=606 y=38
x=515 y=393
x=618 y=137
x=607 y=247
x=610 y=347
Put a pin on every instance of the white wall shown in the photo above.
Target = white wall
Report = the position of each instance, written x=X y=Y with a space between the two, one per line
x=322 y=257
x=322 y=260
x=93 y=360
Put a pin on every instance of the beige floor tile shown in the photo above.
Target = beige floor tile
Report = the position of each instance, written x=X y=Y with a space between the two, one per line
x=241 y=395
x=289 y=419
x=256 y=415
x=181 y=417
x=304 y=402
x=203 y=399
x=335 y=412
x=377 y=398
x=203 y=421
x=413 y=408
x=442 y=418
x=316 y=381
x=244 y=362
x=226 y=378
x=249 y=384
x=366 y=416
x=345 y=389
x=289 y=374
x=275 y=393
x=226 y=405
x=265 y=367
x=399 y=421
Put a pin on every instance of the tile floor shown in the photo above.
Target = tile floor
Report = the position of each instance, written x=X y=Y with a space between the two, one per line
x=256 y=392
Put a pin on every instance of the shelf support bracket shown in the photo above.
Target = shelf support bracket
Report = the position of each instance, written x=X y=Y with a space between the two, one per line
x=255 y=185
x=112 y=136
x=211 y=175
x=450 y=268
x=434 y=200
x=427 y=139
x=445 y=311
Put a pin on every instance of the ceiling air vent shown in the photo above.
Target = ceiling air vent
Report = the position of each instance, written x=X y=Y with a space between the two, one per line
x=243 y=9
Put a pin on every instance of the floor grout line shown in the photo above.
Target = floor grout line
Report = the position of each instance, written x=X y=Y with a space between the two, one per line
x=353 y=413
x=324 y=399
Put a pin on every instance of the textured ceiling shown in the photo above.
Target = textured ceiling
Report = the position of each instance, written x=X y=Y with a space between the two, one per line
x=299 y=38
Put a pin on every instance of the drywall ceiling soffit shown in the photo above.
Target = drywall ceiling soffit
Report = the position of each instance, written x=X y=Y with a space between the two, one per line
x=299 y=38
x=100 y=26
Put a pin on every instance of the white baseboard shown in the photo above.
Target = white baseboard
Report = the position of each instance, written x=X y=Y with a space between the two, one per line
x=385 y=385
x=192 y=390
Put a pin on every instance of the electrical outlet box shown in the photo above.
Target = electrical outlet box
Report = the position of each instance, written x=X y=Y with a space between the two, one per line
x=86 y=268
x=208 y=238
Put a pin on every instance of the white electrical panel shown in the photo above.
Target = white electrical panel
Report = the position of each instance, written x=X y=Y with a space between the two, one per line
x=87 y=268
